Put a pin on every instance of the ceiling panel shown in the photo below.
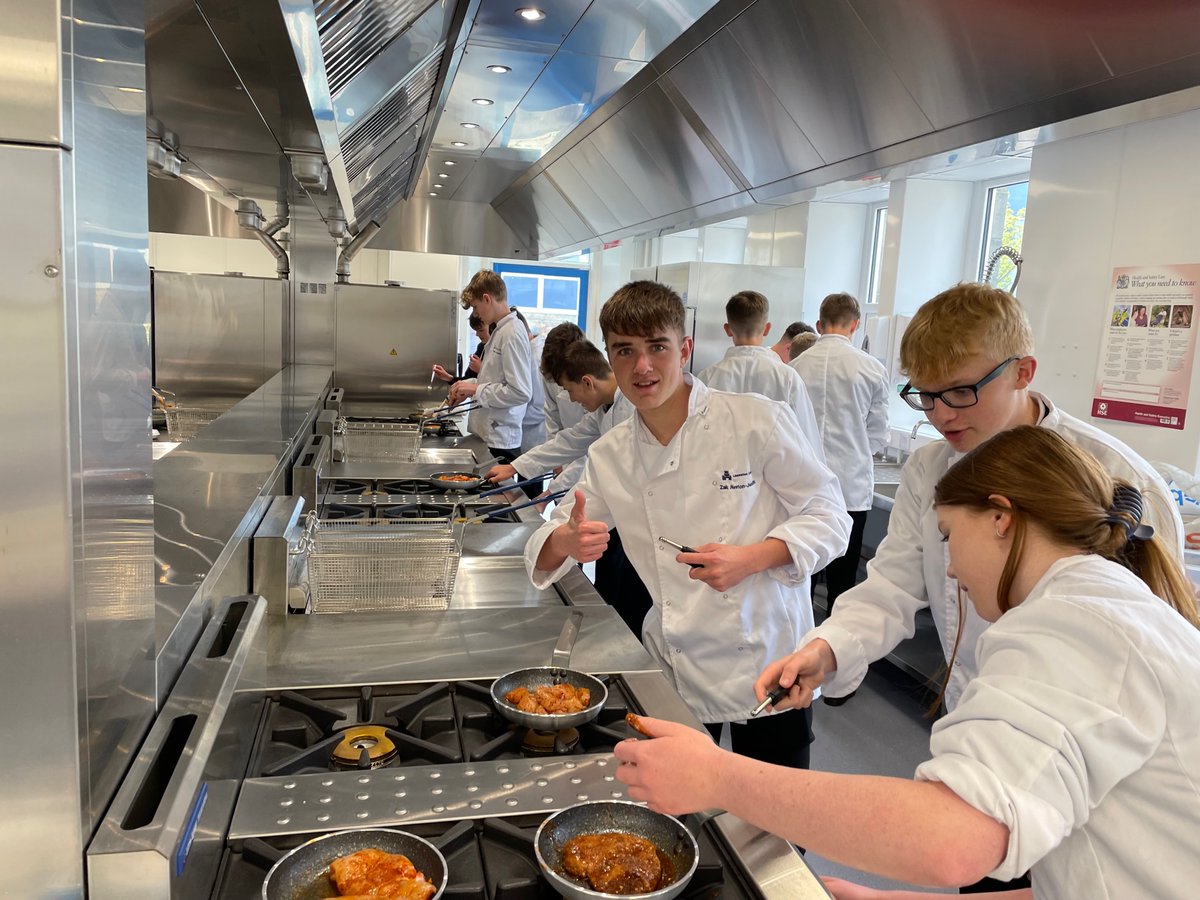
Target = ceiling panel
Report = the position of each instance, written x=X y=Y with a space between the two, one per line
x=829 y=75
x=749 y=123
x=633 y=29
x=497 y=23
x=962 y=61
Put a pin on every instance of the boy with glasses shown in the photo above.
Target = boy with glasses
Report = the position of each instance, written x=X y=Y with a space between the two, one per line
x=968 y=353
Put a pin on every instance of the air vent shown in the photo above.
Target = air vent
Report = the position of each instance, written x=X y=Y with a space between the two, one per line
x=408 y=104
x=353 y=32
x=386 y=189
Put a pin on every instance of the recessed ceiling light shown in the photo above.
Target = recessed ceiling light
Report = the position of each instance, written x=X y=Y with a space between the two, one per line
x=433 y=193
x=531 y=14
x=443 y=175
x=449 y=162
x=469 y=125
x=500 y=70
x=458 y=143
x=439 y=185
x=483 y=101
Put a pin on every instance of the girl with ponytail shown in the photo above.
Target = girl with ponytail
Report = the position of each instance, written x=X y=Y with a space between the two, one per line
x=1074 y=751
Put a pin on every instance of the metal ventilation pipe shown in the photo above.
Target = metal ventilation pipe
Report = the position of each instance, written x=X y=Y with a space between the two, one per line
x=251 y=217
x=351 y=250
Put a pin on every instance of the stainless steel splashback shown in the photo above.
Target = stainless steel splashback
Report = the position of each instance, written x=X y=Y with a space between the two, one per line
x=76 y=552
x=388 y=340
x=217 y=336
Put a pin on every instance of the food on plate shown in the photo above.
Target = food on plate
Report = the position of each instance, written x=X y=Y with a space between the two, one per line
x=616 y=863
x=455 y=477
x=636 y=724
x=380 y=875
x=550 y=699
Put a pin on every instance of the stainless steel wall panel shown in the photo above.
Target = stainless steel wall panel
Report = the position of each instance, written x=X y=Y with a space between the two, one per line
x=952 y=58
x=427 y=225
x=314 y=258
x=583 y=195
x=829 y=75
x=1129 y=38
x=31 y=84
x=749 y=122
x=633 y=29
x=549 y=201
x=389 y=338
x=590 y=160
x=176 y=207
x=211 y=335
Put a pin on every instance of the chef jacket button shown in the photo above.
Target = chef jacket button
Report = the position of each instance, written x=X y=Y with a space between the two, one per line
x=677 y=650
x=706 y=426
x=667 y=603
x=957 y=663
x=671 y=463
x=726 y=596
x=649 y=493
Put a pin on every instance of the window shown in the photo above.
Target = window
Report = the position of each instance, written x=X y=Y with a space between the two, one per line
x=878 y=234
x=546 y=295
x=1003 y=226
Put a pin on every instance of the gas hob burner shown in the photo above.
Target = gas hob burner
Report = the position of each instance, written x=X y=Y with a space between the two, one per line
x=417 y=487
x=416 y=511
x=349 y=486
x=549 y=743
x=363 y=747
x=344 y=512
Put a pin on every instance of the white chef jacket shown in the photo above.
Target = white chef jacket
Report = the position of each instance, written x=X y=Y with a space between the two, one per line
x=1081 y=733
x=569 y=447
x=561 y=411
x=849 y=394
x=759 y=370
x=909 y=569
x=737 y=472
x=533 y=425
x=505 y=383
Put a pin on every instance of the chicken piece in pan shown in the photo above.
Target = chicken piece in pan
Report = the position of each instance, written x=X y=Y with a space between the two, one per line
x=380 y=875
x=550 y=699
x=614 y=863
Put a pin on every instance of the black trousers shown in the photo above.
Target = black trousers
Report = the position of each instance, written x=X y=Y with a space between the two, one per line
x=842 y=573
x=783 y=739
x=621 y=587
x=507 y=456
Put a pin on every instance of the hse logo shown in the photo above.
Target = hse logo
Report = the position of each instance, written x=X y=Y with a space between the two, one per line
x=1102 y=409
x=736 y=481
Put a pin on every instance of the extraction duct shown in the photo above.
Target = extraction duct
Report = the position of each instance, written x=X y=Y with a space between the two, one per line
x=351 y=250
x=250 y=217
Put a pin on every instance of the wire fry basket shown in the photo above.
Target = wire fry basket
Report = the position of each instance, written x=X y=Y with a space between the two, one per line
x=184 y=421
x=380 y=564
x=380 y=440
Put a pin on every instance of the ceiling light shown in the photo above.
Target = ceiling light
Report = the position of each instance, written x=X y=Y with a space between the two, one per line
x=443 y=175
x=469 y=125
x=433 y=193
x=499 y=70
x=531 y=14
x=449 y=162
x=458 y=143
x=439 y=185
x=483 y=101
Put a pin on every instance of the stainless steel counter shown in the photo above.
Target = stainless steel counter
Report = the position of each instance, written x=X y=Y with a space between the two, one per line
x=208 y=495
x=388 y=648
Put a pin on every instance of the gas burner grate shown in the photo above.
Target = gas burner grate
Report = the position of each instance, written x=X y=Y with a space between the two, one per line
x=345 y=512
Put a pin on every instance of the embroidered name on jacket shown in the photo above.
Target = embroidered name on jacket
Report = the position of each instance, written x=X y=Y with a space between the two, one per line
x=736 y=481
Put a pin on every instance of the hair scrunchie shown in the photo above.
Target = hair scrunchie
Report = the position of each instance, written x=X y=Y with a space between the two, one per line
x=1126 y=510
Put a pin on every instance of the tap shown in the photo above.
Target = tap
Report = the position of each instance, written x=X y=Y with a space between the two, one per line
x=917 y=427
x=1012 y=254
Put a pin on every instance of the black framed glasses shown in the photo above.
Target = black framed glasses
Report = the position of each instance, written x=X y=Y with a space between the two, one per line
x=959 y=397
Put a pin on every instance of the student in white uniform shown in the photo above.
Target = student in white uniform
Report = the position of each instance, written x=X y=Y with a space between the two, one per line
x=533 y=425
x=1074 y=750
x=801 y=342
x=504 y=385
x=782 y=347
x=968 y=353
x=730 y=475
x=481 y=332
x=749 y=367
x=561 y=411
x=849 y=394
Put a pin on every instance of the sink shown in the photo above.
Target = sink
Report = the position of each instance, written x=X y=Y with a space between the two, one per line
x=887 y=473
x=887 y=489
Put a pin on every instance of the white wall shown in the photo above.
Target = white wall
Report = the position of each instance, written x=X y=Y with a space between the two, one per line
x=925 y=246
x=833 y=257
x=1125 y=197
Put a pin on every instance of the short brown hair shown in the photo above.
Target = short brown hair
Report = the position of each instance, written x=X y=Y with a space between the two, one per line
x=800 y=343
x=558 y=339
x=798 y=328
x=958 y=323
x=584 y=358
x=485 y=281
x=474 y=321
x=747 y=313
x=839 y=310
x=642 y=309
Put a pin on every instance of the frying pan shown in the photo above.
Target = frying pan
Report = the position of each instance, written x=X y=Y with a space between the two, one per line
x=556 y=673
x=303 y=874
x=468 y=482
x=667 y=833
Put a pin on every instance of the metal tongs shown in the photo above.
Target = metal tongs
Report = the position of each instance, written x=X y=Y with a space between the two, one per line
x=451 y=411
x=518 y=484
x=474 y=520
x=776 y=694
x=682 y=548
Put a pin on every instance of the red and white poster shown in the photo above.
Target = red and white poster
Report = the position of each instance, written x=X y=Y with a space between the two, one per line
x=1145 y=367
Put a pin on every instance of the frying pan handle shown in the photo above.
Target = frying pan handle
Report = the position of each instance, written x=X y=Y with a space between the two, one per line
x=697 y=820
x=561 y=658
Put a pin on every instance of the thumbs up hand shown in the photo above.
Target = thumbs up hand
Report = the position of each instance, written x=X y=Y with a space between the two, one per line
x=580 y=538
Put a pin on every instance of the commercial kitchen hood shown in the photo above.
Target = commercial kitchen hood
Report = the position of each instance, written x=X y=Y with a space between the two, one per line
x=615 y=118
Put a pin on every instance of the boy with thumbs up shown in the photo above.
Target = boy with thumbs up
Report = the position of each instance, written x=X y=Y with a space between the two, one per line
x=731 y=475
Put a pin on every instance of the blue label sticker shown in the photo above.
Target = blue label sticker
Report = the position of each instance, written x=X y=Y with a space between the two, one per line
x=189 y=831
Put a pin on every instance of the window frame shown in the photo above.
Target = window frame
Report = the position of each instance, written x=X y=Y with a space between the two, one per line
x=988 y=191
x=543 y=272
x=874 y=250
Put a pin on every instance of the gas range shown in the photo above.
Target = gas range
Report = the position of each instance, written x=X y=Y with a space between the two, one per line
x=446 y=428
x=348 y=499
